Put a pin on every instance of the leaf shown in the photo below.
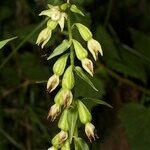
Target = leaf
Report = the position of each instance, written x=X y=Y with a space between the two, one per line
x=83 y=76
x=72 y=121
x=4 y=42
x=97 y=101
x=60 y=49
x=75 y=9
x=80 y=144
x=135 y=119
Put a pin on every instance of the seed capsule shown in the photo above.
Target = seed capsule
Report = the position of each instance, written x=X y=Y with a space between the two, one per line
x=68 y=79
x=63 y=121
x=84 y=31
x=51 y=24
x=81 y=52
x=60 y=65
x=66 y=146
x=84 y=113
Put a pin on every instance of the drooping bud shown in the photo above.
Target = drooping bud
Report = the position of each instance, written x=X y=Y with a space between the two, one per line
x=60 y=65
x=87 y=65
x=64 y=6
x=67 y=97
x=54 y=111
x=68 y=79
x=81 y=52
x=51 y=24
x=52 y=83
x=44 y=37
x=59 y=139
x=52 y=148
x=66 y=146
x=63 y=121
x=84 y=114
x=89 y=130
x=84 y=31
x=94 y=47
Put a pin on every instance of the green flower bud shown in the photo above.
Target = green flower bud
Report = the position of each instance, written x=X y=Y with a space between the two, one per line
x=64 y=6
x=81 y=52
x=59 y=139
x=44 y=37
x=68 y=79
x=84 y=31
x=84 y=114
x=87 y=65
x=63 y=121
x=54 y=111
x=51 y=24
x=59 y=98
x=60 y=65
x=66 y=146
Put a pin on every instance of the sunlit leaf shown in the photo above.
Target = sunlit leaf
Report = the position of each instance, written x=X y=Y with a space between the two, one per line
x=4 y=42
x=83 y=76
x=80 y=144
x=75 y=9
x=72 y=120
x=97 y=101
x=60 y=49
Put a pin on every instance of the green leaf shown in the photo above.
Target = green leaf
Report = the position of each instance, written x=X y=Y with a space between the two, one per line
x=75 y=9
x=135 y=119
x=4 y=42
x=60 y=49
x=83 y=76
x=72 y=121
x=97 y=101
x=80 y=144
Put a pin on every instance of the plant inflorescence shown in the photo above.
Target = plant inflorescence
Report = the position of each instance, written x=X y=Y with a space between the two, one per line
x=71 y=108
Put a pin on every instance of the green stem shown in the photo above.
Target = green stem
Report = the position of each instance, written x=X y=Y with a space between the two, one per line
x=70 y=39
x=108 y=13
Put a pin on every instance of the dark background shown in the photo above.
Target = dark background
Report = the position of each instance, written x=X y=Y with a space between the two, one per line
x=122 y=75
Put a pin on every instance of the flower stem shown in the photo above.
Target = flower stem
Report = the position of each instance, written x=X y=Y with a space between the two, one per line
x=70 y=39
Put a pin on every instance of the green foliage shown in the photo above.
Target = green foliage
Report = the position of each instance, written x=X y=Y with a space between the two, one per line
x=136 y=120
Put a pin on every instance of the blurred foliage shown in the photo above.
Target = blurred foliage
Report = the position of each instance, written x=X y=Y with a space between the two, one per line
x=122 y=75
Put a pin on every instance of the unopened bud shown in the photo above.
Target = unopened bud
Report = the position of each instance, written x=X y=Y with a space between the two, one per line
x=66 y=146
x=63 y=121
x=81 y=52
x=54 y=111
x=52 y=83
x=84 y=31
x=51 y=24
x=64 y=6
x=68 y=79
x=94 y=47
x=90 y=131
x=87 y=65
x=84 y=113
x=44 y=37
x=59 y=139
x=52 y=148
x=60 y=65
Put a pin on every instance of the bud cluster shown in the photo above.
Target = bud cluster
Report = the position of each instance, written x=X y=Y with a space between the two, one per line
x=63 y=74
